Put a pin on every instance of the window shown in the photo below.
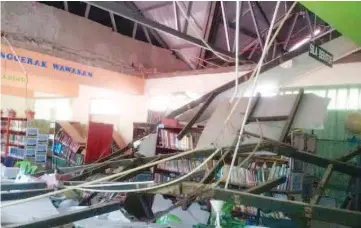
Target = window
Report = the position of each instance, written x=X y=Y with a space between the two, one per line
x=353 y=99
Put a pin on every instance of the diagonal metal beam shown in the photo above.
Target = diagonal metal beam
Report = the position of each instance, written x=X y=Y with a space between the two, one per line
x=87 y=10
x=147 y=34
x=225 y=24
x=253 y=50
x=245 y=77
x=309 y=23
x=189 y=10
x=69 y=216
x=290 y=151
x=161 y=5
x=234 y=27
x=176 y=16
x=302 y=210
x=244 y=31
x=66 y=7
x=255 y=24
x=258 y=5
x=290 y=31
x=118 y=9
x=135 y=27
x=113 y=22
x=189 y=125
x=266 y=186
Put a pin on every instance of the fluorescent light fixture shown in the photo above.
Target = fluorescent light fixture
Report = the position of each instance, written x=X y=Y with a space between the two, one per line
x=305 y=40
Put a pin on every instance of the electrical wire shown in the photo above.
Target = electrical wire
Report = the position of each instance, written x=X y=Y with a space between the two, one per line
x=200 y=37
x=236 y=52
x=153 y=187
x=123 y=173
x=256 y=75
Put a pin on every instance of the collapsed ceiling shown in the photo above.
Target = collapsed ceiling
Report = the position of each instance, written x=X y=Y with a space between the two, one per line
x=181 y=27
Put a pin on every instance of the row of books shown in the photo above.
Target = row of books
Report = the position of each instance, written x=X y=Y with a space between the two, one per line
x=17 y=139
x=67 y=141
x=159 y=178
x=181 y=165
x=168 y=139
x=68 y=154
x=256 y=174
x=252 y=211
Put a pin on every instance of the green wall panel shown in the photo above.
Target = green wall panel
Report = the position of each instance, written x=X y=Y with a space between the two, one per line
x=344 y=16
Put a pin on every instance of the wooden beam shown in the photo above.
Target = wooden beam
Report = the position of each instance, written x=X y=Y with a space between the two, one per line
x=189 y=125
x=303 y=210
x=321 y=186
x=290 y=151
x=292 y=114
x=266 y=186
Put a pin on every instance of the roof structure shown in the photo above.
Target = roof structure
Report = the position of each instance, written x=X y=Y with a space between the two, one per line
x=191 y=28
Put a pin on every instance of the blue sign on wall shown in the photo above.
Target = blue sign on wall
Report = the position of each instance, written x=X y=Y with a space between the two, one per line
x=45 y=64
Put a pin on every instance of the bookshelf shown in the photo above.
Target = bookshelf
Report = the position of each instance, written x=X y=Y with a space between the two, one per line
x=77 y=144
x=13 y=136
x=167 y=142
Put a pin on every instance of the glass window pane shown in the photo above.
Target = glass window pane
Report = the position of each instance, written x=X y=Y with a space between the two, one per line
x=320 y=93
x=341 y=102
x=288 y=92
x=332 y=94
x=353 y=99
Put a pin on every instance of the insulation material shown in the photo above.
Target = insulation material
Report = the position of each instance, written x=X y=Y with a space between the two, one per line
x=310 y=115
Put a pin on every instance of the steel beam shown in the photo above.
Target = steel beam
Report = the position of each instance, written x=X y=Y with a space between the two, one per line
x=234 y=40
x=290 y=151
x=113 y=21
x=135 y=27
x=87 y=10
x=189 y=125
x=258 y=5
x=66 y=7
x=303 y=210
x=351 y=155
x=326 y=176
x=255 y=24
x=245 y=77
x=69 y=216
x=161 y=5
x=147 y=34
x=253 y=50
x=292 y=114
x=266 y=186
x=23 y=186
x=225 y=23
x=118 y=9
x=309 y=24
x=176 y=16
x=16 y=195
x=290 y=31
x=189 y=10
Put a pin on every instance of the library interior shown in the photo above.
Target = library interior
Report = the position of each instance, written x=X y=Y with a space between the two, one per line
x=169 y=114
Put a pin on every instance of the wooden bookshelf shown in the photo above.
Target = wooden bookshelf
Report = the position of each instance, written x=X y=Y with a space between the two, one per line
x=9 y=127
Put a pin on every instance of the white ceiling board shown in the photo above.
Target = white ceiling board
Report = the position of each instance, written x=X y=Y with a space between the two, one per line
x=311 y=114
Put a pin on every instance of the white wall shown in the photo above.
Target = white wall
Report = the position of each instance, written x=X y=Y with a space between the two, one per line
x=132 y=109
x=19 y=104
x=200 y=84
x=339 y=74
